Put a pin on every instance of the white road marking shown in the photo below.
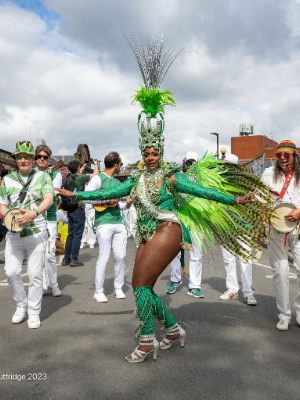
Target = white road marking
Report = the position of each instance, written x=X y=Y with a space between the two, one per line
x=6 y=284
x=262 y=265
x=5 y=280
x=291 y=276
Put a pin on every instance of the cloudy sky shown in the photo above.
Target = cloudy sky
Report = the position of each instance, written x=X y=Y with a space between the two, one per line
x=67 y=73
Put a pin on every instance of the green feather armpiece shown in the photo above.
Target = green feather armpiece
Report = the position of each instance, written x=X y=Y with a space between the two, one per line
x=116 y=192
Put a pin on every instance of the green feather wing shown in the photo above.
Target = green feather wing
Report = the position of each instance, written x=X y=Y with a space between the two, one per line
x=237 y=227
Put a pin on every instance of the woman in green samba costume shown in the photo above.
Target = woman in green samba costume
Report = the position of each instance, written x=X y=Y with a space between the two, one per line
x=168 y=203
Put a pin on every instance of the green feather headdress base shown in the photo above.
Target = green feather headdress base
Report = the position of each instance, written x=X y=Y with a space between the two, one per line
x=153 y=101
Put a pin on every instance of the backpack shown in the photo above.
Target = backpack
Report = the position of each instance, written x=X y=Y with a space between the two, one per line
x=69 y=203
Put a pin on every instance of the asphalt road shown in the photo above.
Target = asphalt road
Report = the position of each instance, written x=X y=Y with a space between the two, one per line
x=232 y=351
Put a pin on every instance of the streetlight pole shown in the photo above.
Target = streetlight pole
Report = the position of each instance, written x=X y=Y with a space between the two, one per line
x=216 y=134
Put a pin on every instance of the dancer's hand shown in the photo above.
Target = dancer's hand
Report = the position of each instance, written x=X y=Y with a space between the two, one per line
x=65 y=193
x=112 y=202
x=293 y=216
x=247 y=198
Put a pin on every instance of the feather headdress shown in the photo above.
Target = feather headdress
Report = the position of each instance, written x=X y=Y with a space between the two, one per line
x=154 y=59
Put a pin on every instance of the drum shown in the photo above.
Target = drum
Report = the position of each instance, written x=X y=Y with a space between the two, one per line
x=278 y=220
x=11 y=220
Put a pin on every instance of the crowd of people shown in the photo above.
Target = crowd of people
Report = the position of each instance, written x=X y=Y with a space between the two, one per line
x=34 y=188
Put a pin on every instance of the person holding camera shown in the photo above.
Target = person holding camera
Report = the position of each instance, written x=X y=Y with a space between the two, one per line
x=76 y=214
x=76 y=179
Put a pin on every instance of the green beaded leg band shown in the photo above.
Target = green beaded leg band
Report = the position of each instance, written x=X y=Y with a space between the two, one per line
x=145 y=308
x=162 y=313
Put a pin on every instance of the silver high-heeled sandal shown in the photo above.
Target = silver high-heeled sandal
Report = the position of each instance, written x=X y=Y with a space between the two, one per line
x=138 y=355
x=179 y=335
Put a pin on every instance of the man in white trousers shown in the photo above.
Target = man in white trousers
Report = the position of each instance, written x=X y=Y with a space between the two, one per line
x=284 y=181
x=232 y=284
x=89 y=237
x=31 y=192
x=110 y=230
x=195 y=264
x=42 y=158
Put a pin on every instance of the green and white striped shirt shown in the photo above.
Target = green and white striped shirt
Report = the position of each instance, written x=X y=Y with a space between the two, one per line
x=40 y=185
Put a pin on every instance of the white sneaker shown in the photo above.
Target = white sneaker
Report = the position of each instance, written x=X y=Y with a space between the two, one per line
x=19 y=315
x=91 y=246
x=298 y=319
x=120 y=294
x=229 y=295
x=282 y=325
x=250 y=300
x=56 y=292
x=33 y=322
x=100 y=297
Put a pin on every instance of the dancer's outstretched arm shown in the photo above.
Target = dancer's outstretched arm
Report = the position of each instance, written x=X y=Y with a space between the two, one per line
x=182 y=184
x=116 y=192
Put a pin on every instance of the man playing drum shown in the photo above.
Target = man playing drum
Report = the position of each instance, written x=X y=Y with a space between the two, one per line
x=32 y=193
x=284 y=181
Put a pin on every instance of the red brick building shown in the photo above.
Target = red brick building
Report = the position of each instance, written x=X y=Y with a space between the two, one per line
x=248 y=148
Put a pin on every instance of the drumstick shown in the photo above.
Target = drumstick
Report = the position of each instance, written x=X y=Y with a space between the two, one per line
x=257 y=197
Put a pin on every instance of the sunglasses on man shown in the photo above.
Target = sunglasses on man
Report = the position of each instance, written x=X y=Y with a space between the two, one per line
x=189 y=162
x=41 y=157
x=284 y=154
x=25 y=156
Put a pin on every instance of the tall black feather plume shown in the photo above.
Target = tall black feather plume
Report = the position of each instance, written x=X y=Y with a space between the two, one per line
x=154 y=58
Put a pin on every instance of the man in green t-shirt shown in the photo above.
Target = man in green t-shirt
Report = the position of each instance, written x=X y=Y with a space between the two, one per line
x=110 y=230
x=31 y=241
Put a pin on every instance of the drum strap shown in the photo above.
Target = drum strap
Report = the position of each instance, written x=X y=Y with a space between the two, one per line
x=286 y=184
x=283 y=191
x=25 y=186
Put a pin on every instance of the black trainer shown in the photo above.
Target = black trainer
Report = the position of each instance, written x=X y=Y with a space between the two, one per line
x=76 y=263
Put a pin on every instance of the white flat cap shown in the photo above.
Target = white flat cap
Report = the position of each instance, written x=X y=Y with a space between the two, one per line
x=232 y=158
x=191 y=155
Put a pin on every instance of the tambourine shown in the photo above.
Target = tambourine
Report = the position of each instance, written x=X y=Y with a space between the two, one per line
x=278 y=220
x=11 y=220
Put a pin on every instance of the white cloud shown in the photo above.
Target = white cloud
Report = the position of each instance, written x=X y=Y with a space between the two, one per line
x=72 y=83
x=56 y=94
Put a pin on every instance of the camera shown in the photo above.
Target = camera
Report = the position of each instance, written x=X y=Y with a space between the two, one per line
x=90 y=165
